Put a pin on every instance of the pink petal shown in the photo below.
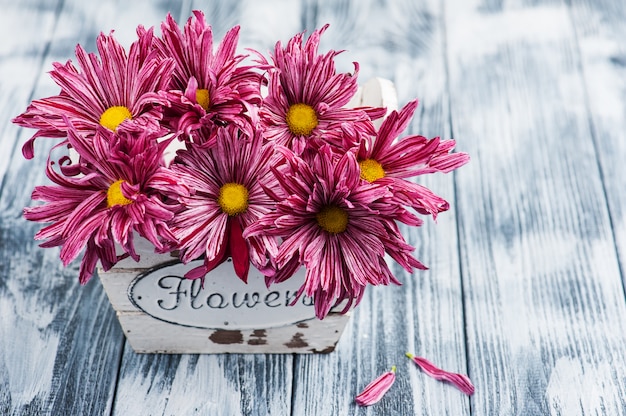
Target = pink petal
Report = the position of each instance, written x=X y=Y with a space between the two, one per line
x=462 y=382
x=375 y=391
x=239 y=250
x=197 y=273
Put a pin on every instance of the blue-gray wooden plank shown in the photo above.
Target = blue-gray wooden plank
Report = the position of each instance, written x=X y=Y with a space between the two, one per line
x=401 y=41
x=545 y=310
x=600 y=26
x=46 y=365
x=60 y=344
x=214 y=384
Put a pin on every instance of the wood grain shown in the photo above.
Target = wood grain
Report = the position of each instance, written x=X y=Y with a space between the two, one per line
x=220 y=384
x=528 y=299
x=424 y=315
x=600 y=29
x=204 y=385
x=544 y=303
x=21 y=60
x=45 y=368
x=60 y=344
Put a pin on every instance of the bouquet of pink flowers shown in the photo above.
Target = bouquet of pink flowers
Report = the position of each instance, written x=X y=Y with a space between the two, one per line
x=271 y=169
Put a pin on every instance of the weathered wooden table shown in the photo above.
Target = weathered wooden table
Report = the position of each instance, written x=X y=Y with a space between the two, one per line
x=525 y=288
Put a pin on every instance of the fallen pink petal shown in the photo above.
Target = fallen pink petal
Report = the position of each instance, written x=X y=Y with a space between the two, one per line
x=459 y=380
x=375 y=391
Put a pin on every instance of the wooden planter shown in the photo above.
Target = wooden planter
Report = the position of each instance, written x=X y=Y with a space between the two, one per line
x=162 y=312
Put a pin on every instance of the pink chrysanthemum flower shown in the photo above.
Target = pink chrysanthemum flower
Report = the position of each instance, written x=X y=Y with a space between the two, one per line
x=386 y=161
x=304 y=107
x=105 y=92
x=335 y=225
x=208 y=89
x=115 y=193
x=373 y=392
x=227 y=198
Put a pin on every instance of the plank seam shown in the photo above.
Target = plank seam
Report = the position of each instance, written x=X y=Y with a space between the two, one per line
x=294 y=381
x=457 y=218
x=118 y=374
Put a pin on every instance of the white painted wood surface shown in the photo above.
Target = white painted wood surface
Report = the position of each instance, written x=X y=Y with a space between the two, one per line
x=529 y=299
x=223 y=315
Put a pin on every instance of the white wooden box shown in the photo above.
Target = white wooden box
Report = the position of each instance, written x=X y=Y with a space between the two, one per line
x=162 y=312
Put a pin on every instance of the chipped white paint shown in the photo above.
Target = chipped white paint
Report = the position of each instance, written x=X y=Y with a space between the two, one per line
x=147 y=335
x=162 y=312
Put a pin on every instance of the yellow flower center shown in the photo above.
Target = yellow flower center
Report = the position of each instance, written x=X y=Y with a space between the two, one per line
x=115 y=195
x=113 y=117
x=233 y=198
x=332 y=219
x=301 y=119
x=371 y=170
x=202 y=97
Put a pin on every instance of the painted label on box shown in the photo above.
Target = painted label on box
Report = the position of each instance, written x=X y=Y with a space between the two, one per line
x=223 y=302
